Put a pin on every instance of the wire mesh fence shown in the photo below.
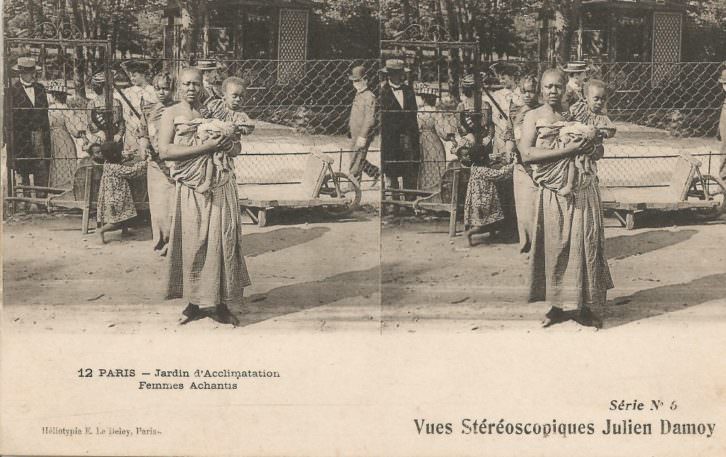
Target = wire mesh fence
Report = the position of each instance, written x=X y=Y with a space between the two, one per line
x=297 y=106
x=661 y=111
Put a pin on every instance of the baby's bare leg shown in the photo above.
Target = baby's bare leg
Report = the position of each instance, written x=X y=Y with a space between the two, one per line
x=571 y=175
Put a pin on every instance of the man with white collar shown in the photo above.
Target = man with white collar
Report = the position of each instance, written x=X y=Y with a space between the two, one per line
x=361 y=125
x=31 y=128
x=400 y=152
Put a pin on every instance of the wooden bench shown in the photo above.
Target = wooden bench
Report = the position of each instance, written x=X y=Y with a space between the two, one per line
x=442 y=198
x=84 y=193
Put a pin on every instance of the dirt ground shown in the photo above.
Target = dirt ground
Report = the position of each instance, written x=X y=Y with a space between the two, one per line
x=314 y=274
x=308 y=272
x=672 y=269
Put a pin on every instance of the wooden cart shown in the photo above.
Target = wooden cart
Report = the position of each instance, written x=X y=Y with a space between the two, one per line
x=337 y=193
x=689 y=189
x=83 y=195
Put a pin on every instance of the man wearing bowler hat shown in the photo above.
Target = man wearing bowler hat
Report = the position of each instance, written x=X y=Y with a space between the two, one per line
x=576 y=72
x=361 y=125
x=400 y=152
x=31 y=128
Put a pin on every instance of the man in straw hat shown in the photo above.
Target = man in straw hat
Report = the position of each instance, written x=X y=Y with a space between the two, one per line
x=400 y=153
x=31 y=128
x=361 y=125
x=576 y=72
x=211 y=79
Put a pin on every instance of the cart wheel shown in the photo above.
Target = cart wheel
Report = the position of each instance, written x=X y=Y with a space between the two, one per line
x=349 y=188
x=717 y=190
x=629 y=220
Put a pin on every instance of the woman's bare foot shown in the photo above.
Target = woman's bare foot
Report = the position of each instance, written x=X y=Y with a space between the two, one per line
x=191 y=313
x=225 y=316
x=470 y=237
x=554 y=316
x=101 y=238
x=587 y=318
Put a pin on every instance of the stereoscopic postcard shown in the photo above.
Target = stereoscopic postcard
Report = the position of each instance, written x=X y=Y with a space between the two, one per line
x=363 y=228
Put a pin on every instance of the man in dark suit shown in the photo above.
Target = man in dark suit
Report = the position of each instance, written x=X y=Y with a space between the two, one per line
x=31 y=129
x=400 y=152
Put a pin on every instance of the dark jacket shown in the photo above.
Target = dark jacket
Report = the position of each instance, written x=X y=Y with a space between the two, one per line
x=399 y=132
x=27 y=118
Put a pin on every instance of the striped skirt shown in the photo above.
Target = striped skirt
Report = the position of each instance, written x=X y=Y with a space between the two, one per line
x=206 y=264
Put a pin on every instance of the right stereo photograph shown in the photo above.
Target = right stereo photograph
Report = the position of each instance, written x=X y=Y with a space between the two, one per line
x=549 y=179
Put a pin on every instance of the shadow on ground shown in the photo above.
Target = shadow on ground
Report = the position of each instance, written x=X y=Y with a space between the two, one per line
x=660 y=219
x=294 y=298
x=297 y=216
x=254 y=244
x=663 y=299
x=623 y=246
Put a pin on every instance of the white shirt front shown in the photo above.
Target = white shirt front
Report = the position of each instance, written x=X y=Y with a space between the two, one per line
x=30 y=91
x=398 y=93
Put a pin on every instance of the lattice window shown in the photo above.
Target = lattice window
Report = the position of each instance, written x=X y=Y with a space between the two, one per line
x=666 y=46
x=292 y=44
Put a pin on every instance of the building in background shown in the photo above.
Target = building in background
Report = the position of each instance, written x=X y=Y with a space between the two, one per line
x=617 y=31
x=239 y=30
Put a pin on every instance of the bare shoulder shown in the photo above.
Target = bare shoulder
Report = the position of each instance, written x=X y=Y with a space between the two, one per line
x=172 y=111
x=534 y=114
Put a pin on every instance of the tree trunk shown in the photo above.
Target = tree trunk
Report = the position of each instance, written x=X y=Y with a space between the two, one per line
x=406 y=13
x=189 y=30
x=566 y=16
x=79 y=67
x=453 y=70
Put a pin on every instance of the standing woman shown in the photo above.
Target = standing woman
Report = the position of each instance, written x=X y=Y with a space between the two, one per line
x=158 y=180
x=205 y=261
x=62 y=131
x=433 y=128
x=567 y=261
x=525 y=189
